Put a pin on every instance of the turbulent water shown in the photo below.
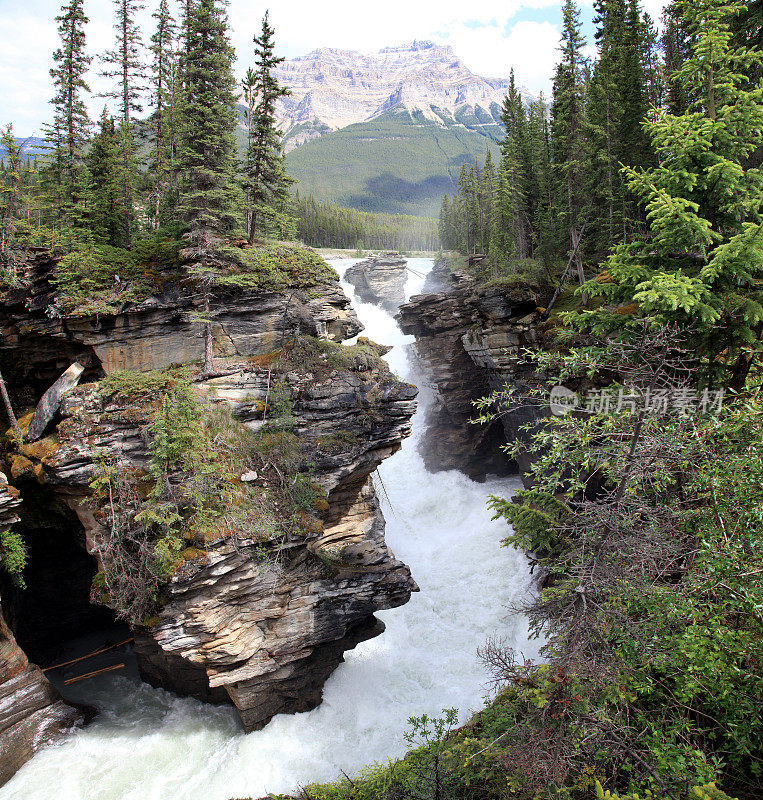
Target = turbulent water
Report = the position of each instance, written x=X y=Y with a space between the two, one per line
x=147 y=744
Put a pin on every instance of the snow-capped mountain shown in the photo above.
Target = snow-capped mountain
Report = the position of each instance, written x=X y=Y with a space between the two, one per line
x=332 y=89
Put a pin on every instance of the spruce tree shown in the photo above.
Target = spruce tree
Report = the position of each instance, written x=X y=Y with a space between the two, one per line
x=567 y=130
x=68 y=133
x=11 y=199
x=266 y=183
x=105 y=165
x=513 y=234
x=164 y=118
x=207 y=155
x=701 y=264
x=126 y=65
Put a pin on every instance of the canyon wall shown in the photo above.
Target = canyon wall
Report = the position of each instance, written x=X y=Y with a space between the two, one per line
x=472 y=340
x=247 y=618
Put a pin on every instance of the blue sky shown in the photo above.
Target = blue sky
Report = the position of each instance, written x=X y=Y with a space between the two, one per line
x=491 y=36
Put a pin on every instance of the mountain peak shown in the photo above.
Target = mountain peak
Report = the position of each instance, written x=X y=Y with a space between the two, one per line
x=333 y=88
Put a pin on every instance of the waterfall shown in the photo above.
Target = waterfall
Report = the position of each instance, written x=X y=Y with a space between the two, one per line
x=147 y=744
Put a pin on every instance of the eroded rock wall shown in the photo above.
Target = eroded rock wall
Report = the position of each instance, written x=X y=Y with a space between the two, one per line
x=258 y=625
x=471 y=339
x=31 y=709
x=380 y=280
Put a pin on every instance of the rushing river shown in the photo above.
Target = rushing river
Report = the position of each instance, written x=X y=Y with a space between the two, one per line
x=147 y=744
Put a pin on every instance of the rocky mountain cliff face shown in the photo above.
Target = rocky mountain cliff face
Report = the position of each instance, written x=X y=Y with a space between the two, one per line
x=472 y=339
x=332 y=89
x=247 y=618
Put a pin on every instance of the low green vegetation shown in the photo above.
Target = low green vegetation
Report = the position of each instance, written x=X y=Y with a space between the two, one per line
x=133 y=384
x=13 y=556
x=275 y=266
x=192 y=495
x=316 y=355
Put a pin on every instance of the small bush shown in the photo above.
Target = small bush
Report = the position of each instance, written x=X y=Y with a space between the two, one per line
x=13 y=556
x=131 y=383
x=99 y=280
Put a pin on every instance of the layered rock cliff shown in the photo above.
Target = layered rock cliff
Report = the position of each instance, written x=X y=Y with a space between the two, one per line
x=472 y=338
x=380 y=279
x=257 y=608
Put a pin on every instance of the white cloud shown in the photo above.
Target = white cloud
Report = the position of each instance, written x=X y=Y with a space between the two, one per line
x=490 y=49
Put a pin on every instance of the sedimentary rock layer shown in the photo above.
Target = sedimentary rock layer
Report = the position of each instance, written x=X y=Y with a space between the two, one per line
x=472 y=339
x=380 y=280
x=257 y=624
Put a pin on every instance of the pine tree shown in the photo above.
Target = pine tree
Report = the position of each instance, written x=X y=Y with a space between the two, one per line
x=68 y=133
x=128 y=68
x=11 y=199
x=105 y=166
x=487 y=198
x=164 y=119
x=542 y=187
x=702 y=263
x=567 y=129
x=514 y=234
x=266 y=182
x=207 y=155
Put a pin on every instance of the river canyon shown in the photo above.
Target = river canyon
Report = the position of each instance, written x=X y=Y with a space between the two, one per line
x=149 y=743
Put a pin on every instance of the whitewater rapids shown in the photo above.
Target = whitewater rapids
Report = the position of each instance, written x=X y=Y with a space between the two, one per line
x=147 y=744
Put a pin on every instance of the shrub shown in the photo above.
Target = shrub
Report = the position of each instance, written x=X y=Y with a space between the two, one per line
x=13 y=556
x=99 y=280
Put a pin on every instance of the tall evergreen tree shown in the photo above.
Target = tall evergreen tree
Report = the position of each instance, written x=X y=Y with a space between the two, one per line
x=514 y=233
x=702 y=263
x=126 y=65
x=266 y=183
x=104 y=161
x=567 y=129
x=164 y=100
x=68 y=133
x=207 y=155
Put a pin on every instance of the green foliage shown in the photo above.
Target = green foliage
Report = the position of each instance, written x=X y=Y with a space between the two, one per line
x=131 y=384
x=275 y=266
x=707 y=792
x=330 y=225
x=266 y=183
x=648 y=529
x=13 y=556
x=313 y=355
x=99 y=280
x=701 y=264
x=207 y=155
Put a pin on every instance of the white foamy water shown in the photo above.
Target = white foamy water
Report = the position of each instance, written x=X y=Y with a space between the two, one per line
x=149 y=745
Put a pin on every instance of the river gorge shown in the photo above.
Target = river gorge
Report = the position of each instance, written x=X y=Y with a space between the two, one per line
x=148 y=743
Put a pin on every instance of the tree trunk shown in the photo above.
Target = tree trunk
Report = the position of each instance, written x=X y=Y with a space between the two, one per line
x=575 y=235
x=9 y=408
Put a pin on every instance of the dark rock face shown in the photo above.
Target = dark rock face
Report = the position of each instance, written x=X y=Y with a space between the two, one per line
x=381 y=280
x=259 y=630
x=471 y=339
x=31 y=710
